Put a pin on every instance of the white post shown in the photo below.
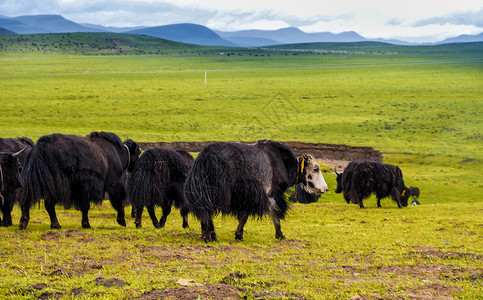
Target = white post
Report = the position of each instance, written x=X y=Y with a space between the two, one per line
x=205 y=76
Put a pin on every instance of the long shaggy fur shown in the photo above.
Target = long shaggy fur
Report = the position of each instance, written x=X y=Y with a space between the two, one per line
x=75 y=171
x=158 y=179
x=239 y=179
x=361 y=179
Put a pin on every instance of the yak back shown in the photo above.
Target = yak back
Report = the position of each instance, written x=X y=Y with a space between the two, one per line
x=63 y=167
x=157 y=174
x=235 y=178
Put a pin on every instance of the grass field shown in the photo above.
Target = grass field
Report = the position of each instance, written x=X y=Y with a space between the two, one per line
x=420 y=106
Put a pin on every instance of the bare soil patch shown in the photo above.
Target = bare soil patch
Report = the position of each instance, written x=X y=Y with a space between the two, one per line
x=330 y=154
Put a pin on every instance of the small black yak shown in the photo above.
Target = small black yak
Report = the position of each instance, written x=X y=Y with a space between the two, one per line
x=10 y=181
x=11 y=184
x=361 y=179
x=75 y=170
x=302 y=195
x=157 y=179
x=247 y=180
x=415 y=194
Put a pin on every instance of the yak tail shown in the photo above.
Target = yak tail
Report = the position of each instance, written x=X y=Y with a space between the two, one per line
x=147 y=183
x=43 y=180
x=206 y=187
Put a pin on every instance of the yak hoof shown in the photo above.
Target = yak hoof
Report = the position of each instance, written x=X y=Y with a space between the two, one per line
x=280 y=237
x=157 y=225
x=186 y=225
x=121 y=222
x=55 y=226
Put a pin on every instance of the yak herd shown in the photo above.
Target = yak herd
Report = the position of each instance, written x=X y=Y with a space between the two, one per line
x=230 y=178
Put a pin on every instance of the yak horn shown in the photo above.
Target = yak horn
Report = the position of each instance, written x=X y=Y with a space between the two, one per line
x=17 y=154
x=335 y=171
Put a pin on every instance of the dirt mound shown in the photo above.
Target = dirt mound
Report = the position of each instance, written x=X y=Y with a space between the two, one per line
x=330 y=154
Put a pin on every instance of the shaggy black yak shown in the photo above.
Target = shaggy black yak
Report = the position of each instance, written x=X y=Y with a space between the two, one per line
x=75 y=170
x=157 y=179
x=361 y=179
x=247 y=180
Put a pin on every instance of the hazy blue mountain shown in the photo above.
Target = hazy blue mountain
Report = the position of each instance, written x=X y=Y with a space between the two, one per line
x=111 y=28
x=290 y=35
x=53 y=24
x=465 y=38
x=185 y=33
x=18 y=26
x=5 y=31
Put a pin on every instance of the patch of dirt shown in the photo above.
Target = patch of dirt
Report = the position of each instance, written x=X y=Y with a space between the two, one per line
x=445 y=255
x=110 y=282
x=331 y=154
x=54 y=235
x=206 y=291
x=433 y=291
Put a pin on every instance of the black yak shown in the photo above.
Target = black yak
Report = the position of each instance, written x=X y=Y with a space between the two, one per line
x=12 y=191
x=415 y=194
x=361 y=179
x=247 y=180
x=10 y=181
x=75 y=170
x=302 y=195
x=157 y=179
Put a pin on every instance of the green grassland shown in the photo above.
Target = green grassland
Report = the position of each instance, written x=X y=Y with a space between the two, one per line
x=420 y=106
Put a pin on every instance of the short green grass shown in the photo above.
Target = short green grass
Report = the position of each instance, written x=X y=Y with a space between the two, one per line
x=420 y=106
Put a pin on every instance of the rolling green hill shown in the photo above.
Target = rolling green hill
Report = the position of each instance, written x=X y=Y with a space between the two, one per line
x=90 y=43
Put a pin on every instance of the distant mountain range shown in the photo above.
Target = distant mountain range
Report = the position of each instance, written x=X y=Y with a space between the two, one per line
x=197 y=34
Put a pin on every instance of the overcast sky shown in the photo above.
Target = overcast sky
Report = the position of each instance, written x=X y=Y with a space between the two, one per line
x=410 y=20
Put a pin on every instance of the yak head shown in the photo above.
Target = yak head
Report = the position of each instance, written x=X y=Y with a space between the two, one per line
x=339 y=181
x=405 y=194
x=310 y=175
x=10 y=170
x=134 y=152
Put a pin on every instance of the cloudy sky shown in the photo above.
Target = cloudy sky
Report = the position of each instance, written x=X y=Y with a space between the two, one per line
x=409 y=20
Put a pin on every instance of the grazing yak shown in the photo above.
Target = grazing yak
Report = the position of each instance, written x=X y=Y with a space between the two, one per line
x=302 y=195
x=361 y=179
x=75 y=170
x=247 y=180
x=414 y=193
x=11 y=184
x=157 y=179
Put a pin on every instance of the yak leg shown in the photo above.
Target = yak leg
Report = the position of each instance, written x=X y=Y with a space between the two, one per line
x=24 y=219
x=242 y=219
x=278 y=230
x=85 y=218
x=212 y=230
x=395 y=196
x=137 y=212
x=50 y=207
x=117 y=194
x=152 y=215
x=379 y=202
x=184 y=214
x=205 y=232
x=208 y=230
x=166 y=211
